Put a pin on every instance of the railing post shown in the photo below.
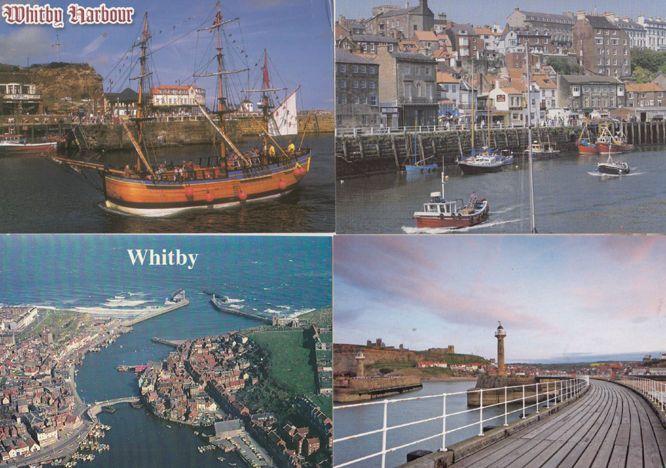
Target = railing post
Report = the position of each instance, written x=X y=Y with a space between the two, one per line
x=523 y=401
x=481 y=414
x=547 y=395
x=537 y=397
x=444 y=423
x=384 y=426
x=506 y=408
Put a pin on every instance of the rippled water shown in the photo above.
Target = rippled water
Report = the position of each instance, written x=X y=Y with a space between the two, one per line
x=38 y=195
x=569 y=197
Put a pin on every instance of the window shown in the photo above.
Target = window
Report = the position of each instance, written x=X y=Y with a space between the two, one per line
x=372 y=99
x=362 y=69
x=342 y=84
x=599 y=40
x=354 y=68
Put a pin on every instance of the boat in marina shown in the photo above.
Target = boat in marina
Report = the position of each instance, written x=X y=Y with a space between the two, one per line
x=484 y=162
x=418 y=164
x=586 y=144
x=542 y=151
x=438 y=212
x=232 y=177
x=609 y=142
x=11 y=144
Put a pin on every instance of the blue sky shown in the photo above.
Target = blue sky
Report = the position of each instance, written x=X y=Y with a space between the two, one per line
x=556 y=295
x=297 y=34
x=496 y=11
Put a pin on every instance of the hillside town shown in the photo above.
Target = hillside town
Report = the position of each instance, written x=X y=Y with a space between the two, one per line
x=40 y=410
x=410 y=67
x=202 y=383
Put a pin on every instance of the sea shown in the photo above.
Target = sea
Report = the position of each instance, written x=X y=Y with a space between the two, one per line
x=569 y=197
x=40 y=196
x=285 y=273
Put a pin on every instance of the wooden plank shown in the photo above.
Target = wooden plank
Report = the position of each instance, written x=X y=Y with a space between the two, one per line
x=635 y=447
x=589 y=454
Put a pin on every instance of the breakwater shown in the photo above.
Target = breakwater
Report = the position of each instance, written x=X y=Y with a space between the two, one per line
x=357 y=389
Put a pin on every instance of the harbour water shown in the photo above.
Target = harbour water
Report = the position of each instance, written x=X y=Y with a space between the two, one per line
x=368 y=418
x=569 y=197
x=65 y=271
x=40 y=196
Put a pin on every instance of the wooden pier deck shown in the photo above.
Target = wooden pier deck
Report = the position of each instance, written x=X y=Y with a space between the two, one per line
x=610 y=426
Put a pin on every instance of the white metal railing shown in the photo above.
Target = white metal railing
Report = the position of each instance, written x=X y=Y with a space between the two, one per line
x=654 y=390
x=543 y=394
x=361 y=131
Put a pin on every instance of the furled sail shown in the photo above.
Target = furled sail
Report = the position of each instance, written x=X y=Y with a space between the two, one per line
x=284 y=119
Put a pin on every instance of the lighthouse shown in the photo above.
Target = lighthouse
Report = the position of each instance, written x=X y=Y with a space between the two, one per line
x=360 y=365
x=500 y=334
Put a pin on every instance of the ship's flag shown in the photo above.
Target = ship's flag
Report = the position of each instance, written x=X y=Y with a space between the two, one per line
x=284 y=118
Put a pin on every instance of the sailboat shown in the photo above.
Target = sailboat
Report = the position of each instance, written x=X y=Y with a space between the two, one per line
x=486 y=159
x=235 y=178
x=418 y=164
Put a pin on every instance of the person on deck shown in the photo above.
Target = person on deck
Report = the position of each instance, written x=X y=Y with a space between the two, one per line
x=291 y=149
x=271 y=151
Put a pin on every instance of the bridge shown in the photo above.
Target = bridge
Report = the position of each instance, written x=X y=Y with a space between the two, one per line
x=568 y=423
x=96 y=407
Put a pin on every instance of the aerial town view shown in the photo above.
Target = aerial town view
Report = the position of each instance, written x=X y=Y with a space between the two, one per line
x=508 y=116
x=500 y=361
x=136 y=366
x=169 y=122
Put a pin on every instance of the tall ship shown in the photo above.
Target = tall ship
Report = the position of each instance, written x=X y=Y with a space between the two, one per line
x=231 y=177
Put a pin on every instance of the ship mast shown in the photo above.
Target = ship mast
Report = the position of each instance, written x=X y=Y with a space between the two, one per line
x=265 y=101
x=221 y=99
x=144 y=73
x=533 y=228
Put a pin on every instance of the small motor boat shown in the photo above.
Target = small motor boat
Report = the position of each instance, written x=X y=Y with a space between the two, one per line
x=454 y=214
x=613 y=167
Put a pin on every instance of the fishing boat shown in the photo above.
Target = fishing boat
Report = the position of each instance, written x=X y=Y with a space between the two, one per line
x=232 y=177
x=453 y=214
x=542 y=151
x=608 y=142
x=585 y=143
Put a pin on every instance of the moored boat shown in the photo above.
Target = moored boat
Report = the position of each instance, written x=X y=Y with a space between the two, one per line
x=453 y=214
x=19 y=145
x=542 y=151
x=483 y=162
x=586 y=144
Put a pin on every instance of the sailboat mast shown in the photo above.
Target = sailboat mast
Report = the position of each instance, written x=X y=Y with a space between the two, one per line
x=529 y=140
x=221 y=100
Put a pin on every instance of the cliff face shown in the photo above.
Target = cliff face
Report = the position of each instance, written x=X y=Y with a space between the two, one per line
x=64 y=86
x=67 y=86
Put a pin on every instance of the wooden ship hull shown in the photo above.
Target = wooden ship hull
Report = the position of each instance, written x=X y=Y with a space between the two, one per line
x=146 y=198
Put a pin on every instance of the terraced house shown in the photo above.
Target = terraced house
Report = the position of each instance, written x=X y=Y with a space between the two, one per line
x=356 y=90
x=602 y=47
x=645 y=95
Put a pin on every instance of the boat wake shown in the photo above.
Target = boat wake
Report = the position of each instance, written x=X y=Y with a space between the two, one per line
x=415 y=230
x=505 y=210
x=599 y=174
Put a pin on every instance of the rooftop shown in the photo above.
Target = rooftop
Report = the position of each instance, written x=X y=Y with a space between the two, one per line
x=344 y=56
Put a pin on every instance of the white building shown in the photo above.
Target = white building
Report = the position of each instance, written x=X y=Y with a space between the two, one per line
x=656 y=32
x=177 y=96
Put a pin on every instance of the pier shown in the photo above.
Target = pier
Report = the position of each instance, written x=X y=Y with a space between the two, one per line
x=164 y=341
x=156 y=313
x=582 y=423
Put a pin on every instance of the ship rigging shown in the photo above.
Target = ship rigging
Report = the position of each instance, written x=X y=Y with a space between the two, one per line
x=233 y=177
